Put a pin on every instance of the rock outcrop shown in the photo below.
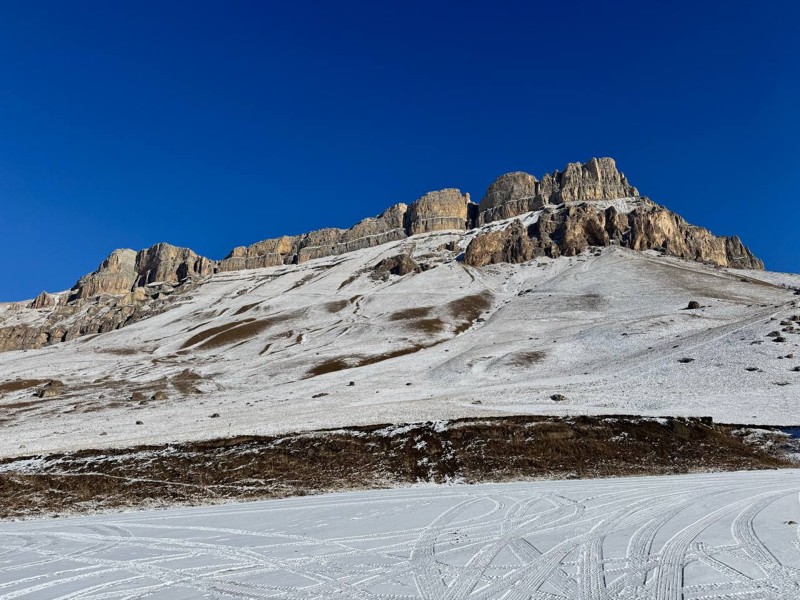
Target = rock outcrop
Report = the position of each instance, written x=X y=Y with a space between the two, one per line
x=442 y=210
x=445 y=209
x=400 y=264
x=510 y=195
x=597 y=179
x=164 y=263
x=587 y=204
x=516 y=193
x=509 y=245
x=115 y=275
x=44 y=300
x=571 y=228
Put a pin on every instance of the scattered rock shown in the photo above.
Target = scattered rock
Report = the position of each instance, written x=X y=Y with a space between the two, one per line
x=43 y=300
x=351 y=384
x=693 y=305
x=780 y=338
x=400 y=264
x=51 y=389
x=509 y=245
x=320 y=395
x=139 y=423
x=213 y=416
x=160 y=395
x=685 y=359
x=558 y=398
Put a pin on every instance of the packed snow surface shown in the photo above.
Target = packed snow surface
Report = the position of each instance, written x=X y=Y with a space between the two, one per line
x=323 y=344
x=719 y=536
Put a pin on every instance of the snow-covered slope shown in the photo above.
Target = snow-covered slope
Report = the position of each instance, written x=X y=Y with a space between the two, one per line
x=323 y=344
x=720 y=536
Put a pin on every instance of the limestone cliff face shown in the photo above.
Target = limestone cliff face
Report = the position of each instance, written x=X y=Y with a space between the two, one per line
x=115 y=275
x=597 y=179
x=509 y=245
x=125 y=270
x=510 y=195
x=170 y=264
x=571 y=228
x=516 y=193
x=577 y=208
x=445 y=209
x=373 y=231
x=267 y=253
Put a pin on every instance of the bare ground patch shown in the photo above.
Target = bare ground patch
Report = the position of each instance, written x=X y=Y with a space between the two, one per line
x=335 y=306
x=351 y=362
x=212 y=331
x=245 y=308
x=17 y=385
x=524 y=359
x=471 y=450
x=467 y=310
x=240 y=333
x=417 y=312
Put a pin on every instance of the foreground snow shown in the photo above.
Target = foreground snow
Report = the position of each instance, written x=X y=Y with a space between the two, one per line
x=731 y=535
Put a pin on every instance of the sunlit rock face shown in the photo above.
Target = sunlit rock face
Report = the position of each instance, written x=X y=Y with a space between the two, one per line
x=563 y=213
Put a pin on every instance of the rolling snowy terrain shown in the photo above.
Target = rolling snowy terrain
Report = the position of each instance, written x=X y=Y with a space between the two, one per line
x=324 y=344
x=719 y=536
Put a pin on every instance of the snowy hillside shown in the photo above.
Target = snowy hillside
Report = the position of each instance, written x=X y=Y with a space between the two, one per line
x=325 y=344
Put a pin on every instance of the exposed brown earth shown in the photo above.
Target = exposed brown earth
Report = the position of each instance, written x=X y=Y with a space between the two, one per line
x=468 y=450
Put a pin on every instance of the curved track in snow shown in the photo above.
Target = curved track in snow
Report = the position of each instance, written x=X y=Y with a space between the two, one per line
x=719 y=536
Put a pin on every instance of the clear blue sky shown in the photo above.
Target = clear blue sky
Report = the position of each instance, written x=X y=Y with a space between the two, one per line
x=217 y=124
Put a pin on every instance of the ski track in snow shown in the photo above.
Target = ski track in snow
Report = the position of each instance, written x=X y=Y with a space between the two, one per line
x=718 y=536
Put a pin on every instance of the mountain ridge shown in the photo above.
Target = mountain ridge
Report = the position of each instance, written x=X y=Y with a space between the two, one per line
x=510 y=195
x=519 y=217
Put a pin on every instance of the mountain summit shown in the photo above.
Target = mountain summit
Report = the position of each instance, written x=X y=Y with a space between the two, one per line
x=520 y=217
x=569 y=294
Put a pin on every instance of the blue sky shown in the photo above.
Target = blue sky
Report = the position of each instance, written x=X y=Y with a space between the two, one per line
x=217 y=124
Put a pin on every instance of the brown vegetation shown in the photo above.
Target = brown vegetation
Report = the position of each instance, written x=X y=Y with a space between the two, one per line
x=351 y=362
x=17 y=385
x=468 y=309
x=242 y=332
x=473 y=450
x=212 y=331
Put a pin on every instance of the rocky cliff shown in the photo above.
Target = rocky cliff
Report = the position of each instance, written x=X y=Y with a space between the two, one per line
x=516 y=193
x=586 y=204
x=573 y=227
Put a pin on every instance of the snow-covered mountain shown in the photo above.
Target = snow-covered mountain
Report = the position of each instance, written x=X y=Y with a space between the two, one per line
x=548 y=297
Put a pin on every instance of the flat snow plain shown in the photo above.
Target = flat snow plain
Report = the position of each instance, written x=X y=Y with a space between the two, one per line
x=717 y=536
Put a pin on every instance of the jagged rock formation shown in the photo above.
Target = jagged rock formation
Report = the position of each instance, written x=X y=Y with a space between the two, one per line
x=510 y=195
x=511 y=245
x=572 y=228
x=516 y=193
x=400 y=264
x=44 y=300
x=445 y=209
x=590 y=204
x=115 y=275
x=164 y=263
x=67 y=321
